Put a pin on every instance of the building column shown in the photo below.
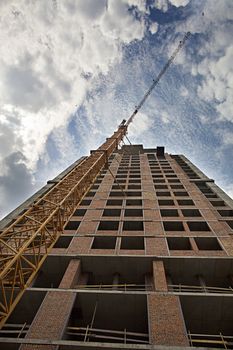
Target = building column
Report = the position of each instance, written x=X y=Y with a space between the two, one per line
x=166 y=321
x=53 y=315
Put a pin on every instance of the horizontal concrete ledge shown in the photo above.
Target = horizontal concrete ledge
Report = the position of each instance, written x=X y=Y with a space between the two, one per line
x=145 y=257
x=67 y=344
x=202 y=180
x=115 y=291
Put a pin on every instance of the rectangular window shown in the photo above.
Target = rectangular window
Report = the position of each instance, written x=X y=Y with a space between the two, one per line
x=166 y=202
x=108 y=225
x=122 y=176
x=161 y=187
x=133 y=226
x=171 y=175
x=112 y=212
x=120 y=181
x=104 y=242
x=133 y=212
x=177 y=187
x=136 y=176
x=191 y=212
x=90 y=194
x=230 y=223
x=72 y=225
x=198 y=226
x=169 y=212
x=158 y=181
x=157 y=176
x=218 y=203
x=163 y=193
x=133 y=202
x=116 y=194
x=134 y=243
x=173 y=180
x=94 y=187
x=134 y=187
x=207 y=243
x=85 y=202
x=179 y=243
x=114 y=202
x=173 y=226
x=134 y=181
x=134 y=194
x=226 y=212
x=185 y=202
x=181 y=194
x=117 y=187
x=80 y=212
x=63 y=242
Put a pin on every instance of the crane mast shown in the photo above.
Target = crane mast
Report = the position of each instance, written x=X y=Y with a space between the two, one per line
x=25 y=244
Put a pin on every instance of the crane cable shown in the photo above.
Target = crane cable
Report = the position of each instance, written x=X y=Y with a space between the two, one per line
x=155 y=81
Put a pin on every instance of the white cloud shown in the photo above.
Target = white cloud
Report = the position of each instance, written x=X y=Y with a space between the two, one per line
x=165 y=117
x=178 y=3
x=51 y=53
x=153 y=28
x=163 y=4
x=140 y=125
x=184 y=91
x=218 y=83
x=160 y=5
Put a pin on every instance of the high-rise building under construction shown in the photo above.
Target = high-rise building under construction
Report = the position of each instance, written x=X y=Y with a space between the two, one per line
x=128 y=248
x=144 y=260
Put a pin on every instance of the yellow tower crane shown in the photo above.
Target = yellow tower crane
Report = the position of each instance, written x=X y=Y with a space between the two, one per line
x=25 y=244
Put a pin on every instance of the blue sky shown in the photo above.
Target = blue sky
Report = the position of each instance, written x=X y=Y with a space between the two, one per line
x=70 y=71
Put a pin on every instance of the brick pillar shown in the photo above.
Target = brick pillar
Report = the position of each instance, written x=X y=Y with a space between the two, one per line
x=159 y=277
x=165 y=315
x=72 y=274
x=53 y=315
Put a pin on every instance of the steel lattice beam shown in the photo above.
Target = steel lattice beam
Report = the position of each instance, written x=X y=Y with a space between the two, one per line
x=25 y=244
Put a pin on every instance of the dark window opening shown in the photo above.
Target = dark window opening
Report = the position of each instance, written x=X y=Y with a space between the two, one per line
x=133 y=202
x=163 y=193
x=173 y=226
x=179 y=243
x=218 y=203
x=134 y=187
x=181 y=193
x=104 y=242
x=230 y=223
x=169 y=212
x=63 y=242
x=166 y=202
x=134 y=194
x=112 y=212
x=85 y=202
x=80 y=212
x=133 y=226
x=108 y=225
x=134 y=243
x=133 y=212
x=191 y=212
x=207 y=243
x=161 y=187
x=72 y=225
x=173 y=180
x=198 y=226
x=226 y=212
x=116 y=202
x=185 y=202
x=177 y=187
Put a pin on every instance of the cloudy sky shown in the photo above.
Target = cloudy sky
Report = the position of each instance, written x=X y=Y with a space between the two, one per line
x=71 y=70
